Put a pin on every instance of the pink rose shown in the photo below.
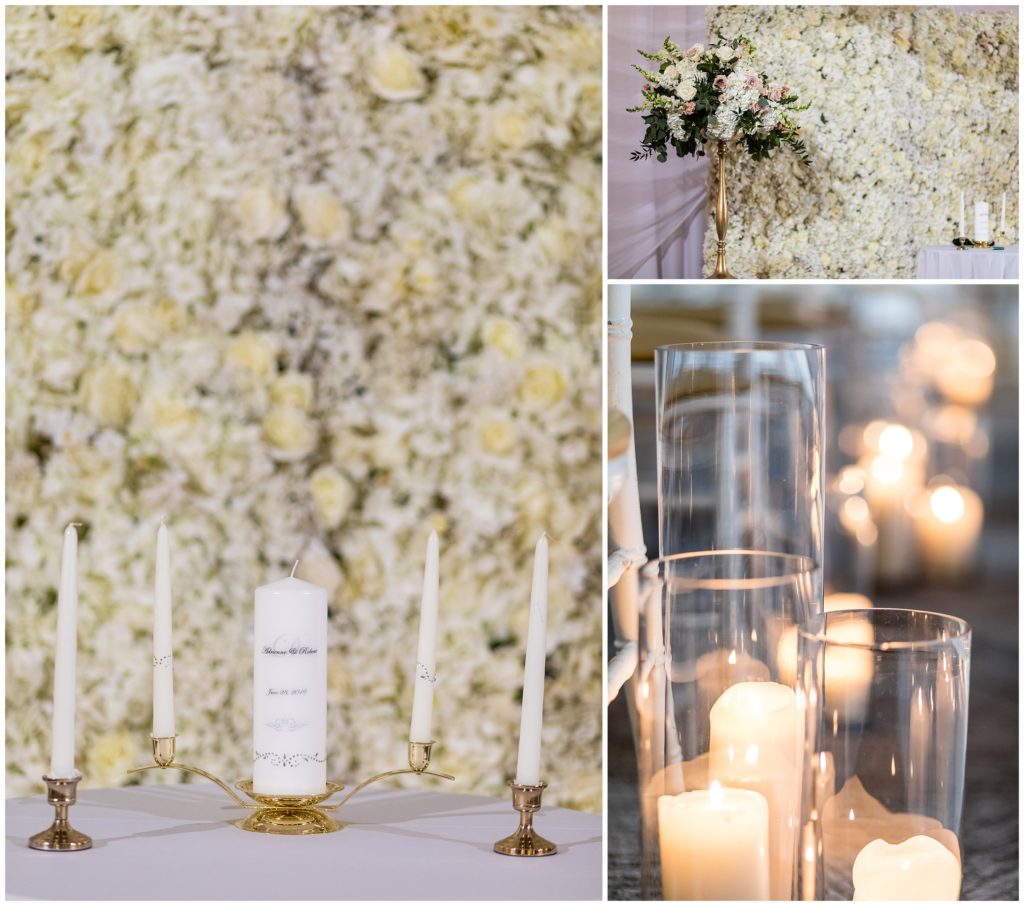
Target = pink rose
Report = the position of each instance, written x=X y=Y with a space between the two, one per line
x=775 y=93
x=689 y=108
x=757 y=108
x=752 y=82
x=721 y=83
x=647 y=87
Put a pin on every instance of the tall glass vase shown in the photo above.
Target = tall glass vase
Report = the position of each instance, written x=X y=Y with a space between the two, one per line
x=740 y=430
x=719 y=724
x=885 y=744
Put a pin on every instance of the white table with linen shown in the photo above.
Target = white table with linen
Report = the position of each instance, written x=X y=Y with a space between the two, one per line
x=176 y=842
x=945 y=262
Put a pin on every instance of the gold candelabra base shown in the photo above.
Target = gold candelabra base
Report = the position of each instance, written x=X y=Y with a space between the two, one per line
x=982 y=244
x=962 y=242
x=525 y=841
x=61 y=837
x=289 y=815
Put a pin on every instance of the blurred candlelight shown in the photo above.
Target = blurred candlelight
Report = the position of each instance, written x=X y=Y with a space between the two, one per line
x=966 y=375
x=948 y=519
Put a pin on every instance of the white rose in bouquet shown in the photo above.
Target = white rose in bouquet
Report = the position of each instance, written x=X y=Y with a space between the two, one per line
x=725 y=53
x=686 y=91
x=394 y=75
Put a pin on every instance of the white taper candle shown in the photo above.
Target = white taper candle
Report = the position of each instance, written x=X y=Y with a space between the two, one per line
x=62 y=753
x=163 y=649
x=532 y=719
x=1002 y=215
x=963 y=215
x=426 y=650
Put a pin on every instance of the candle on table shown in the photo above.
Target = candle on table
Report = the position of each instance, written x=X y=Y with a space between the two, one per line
x=754 y=737
x=967 y=375
x=714 y=845
x=163 y=651
x=1002 y=216
x=848 y=670
x=948 y=519
x=62 y=752
x=290 y=689
x=963 y=215
x=980 y=222
x=423 y=688
x=532 y=718
x=919 y=868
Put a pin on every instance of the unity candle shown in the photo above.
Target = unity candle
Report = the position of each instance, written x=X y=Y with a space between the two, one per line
x=754 y=746
x=62 y=752
x=532 y=718
x=714 y=845
x=290 y=689
x=981 y=233
x=163 y=658
x=423 y=688
x=948 y=519
x=919 y=868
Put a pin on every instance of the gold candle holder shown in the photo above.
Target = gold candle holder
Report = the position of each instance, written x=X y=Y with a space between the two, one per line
x=721 y=271
x=982 y=244
x=962 y=242
x=289 y=815
x=61 y=837
x=525 y=841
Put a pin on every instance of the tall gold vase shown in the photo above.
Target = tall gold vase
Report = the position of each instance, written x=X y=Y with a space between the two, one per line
x=721 y=220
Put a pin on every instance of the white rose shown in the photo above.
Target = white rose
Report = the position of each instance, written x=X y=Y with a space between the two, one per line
x=725 y=53
x=101 y=273
x=542 y=385
x=510 y=127
x=290 y=434
x=261 y=215
x=294 y=389
x=108 y=395
x=686 y=90
x=332 y=493
x=139 y=326
x=322 y=216
x=317 y=565
x=254 y=352
x=504 y=335
x=670 y=73
x=394 y=75
x=498 y=435
x=109 y=756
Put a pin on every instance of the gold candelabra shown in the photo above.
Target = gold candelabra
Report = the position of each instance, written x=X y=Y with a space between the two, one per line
x=721 y=271
x=525 y=841
x=61 y=837
x=292 y=815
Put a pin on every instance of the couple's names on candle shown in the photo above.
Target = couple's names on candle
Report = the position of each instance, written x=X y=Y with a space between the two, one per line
x=282 y=645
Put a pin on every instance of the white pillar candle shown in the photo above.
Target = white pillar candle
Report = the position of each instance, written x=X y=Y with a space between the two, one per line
x=532 y=719
x=968 y=373
x=290 y=689
x=981 y=233
x=919 y=868
x=948 y=521
x=163 y=650
x=754 y=746
x=62 y=752
x=714 y=845
x=423 y=687
x=848 y=670
x=963 y=215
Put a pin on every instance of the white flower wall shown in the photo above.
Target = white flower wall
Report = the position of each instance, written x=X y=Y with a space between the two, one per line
x=909 y=105
x=306 y=282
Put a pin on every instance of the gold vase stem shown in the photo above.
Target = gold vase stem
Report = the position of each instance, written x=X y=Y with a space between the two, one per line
x=721 y=271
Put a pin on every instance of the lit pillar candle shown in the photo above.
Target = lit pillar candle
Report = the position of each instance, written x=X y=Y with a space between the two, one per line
x=163 y=656
x=290 y=689
x=754 y=736
x=532 y=719
x=948 y=520
x=919 y=868
x=714 y=845
x=62 y=753
x=423 y=688
x=967 y=374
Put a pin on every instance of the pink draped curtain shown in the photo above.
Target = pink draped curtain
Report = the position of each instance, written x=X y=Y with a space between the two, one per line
x=656 y=212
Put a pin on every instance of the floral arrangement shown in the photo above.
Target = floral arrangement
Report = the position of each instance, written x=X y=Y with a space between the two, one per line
x=306 y=282
x=715 y=94
x=887 y=170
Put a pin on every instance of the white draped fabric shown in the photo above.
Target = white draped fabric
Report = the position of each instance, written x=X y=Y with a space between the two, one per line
x=943 y=262
x=656 y=212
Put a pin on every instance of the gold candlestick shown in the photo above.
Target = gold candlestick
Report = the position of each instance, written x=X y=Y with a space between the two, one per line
x=525 y=841
x=61 y=837
x=721 y=271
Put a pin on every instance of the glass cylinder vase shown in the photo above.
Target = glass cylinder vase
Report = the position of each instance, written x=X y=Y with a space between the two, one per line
x=720 y=736
x=884 y=754
x=740 y=429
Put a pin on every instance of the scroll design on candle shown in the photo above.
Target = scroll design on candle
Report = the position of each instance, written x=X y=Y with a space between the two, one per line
x=424 y=673
x=163 y=661
x=286 y=723
x=280 y=760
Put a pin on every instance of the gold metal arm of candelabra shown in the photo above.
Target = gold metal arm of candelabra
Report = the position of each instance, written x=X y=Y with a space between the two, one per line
x=163 y=758
x=419 y=762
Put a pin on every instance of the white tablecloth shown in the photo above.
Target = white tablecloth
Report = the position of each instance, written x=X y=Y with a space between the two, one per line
x=944 y=262
x=175 y=842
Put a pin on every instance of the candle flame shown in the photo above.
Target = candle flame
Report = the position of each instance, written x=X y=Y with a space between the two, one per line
x=947 y=504
x=892 y=766
x=851 y=816
x=715 y=794
x=896 y=442
x=752 y=754
x=886 y=470
x=732 y=656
